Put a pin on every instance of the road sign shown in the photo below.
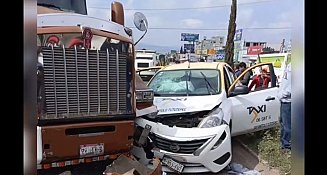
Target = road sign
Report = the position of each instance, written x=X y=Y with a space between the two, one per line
x=238 y=35
x=189 y=47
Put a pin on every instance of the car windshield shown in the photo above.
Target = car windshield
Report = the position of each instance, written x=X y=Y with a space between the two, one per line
x=186 y=82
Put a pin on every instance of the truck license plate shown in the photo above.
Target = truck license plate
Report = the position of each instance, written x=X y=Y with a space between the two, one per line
x=172 y=164
x=91 y=150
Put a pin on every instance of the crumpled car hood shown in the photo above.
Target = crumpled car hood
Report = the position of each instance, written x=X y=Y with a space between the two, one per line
x=184 y=104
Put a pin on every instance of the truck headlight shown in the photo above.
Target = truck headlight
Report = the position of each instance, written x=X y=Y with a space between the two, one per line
x=144 y=95
x=214 y=118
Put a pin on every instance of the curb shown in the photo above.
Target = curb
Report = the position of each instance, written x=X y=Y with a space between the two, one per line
x=247 y=148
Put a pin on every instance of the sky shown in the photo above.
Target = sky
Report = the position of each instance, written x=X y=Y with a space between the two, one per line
x=261 y=20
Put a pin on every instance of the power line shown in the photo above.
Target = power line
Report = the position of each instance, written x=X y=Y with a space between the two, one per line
x=187 y=8
x=246 y=28
x=175 y=28
x=267 y=28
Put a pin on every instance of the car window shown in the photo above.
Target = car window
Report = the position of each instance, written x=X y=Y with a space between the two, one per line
x=261 y=77
x=229 y=76
x=226 y=79
x=230 y=73
x=186 y=82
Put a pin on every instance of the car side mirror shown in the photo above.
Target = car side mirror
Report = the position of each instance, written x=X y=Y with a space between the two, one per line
x=239 y=90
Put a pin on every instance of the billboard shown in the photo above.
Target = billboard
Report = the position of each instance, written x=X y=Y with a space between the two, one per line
x=276 y=60
x=238 y=35
x=238 y=45
x=189 y=37
x=220 y=54
x=254 y=50
x=189 y=47
x=211 y=52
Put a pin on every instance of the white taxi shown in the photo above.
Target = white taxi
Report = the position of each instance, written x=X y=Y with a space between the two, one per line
x=200 y=106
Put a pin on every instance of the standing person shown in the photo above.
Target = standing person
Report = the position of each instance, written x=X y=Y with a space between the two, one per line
x=237 y=69
x=246 y=78
x=284 y=95
x=260 y=81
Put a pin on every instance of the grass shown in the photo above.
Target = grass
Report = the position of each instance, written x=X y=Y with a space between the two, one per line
x=266 y=144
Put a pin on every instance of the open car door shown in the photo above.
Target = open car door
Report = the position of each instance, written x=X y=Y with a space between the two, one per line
x=255 y=109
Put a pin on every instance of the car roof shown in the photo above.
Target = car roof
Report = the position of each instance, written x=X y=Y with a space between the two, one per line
x=197 y=65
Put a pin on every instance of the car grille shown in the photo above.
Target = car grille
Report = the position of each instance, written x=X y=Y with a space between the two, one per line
x=184 y=147
x=80 y=82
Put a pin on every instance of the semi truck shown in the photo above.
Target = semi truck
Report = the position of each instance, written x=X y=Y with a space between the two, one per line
x=145 y=59
x=87 y=97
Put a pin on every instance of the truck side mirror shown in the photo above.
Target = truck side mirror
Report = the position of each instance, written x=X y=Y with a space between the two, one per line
x=140 y=23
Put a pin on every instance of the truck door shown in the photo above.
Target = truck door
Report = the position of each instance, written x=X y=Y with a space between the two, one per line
x=255 y=109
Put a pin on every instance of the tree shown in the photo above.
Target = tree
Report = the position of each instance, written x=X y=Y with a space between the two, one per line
x=229 y=50
x=268 y=50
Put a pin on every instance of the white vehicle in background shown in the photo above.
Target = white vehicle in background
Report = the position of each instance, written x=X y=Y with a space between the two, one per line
x=145 y=59
x=200 y=106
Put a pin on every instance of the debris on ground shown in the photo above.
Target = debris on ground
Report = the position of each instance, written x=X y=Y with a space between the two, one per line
x=65 y=173
x=238 y=169
x=127 y=166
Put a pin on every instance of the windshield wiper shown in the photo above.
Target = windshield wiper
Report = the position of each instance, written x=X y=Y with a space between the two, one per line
x=189 y=79
x=186 y=83
x=208 y=83
x=49 y=5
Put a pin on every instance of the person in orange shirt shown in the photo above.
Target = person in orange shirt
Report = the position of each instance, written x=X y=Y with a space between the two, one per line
x=260 y=81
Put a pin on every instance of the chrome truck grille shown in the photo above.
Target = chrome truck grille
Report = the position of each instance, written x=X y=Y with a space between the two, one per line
x=80 y=82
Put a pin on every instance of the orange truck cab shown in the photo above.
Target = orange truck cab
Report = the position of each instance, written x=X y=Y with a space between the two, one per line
x=86 y=85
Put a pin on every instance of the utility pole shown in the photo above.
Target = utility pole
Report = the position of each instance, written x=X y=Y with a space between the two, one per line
x=201 y=49
x=202 y=42
x=229 y=50
x=281 y=50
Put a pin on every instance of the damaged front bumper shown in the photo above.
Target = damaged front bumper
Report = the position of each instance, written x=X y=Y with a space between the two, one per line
x=197 y=149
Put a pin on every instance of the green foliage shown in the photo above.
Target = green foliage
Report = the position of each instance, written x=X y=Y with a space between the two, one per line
x=267 y=144
x=269 y=150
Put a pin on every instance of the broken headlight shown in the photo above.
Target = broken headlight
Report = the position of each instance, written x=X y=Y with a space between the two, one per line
x=214 y=118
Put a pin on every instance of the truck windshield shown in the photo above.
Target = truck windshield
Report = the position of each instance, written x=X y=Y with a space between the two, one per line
x=70 y=40
x=186 y=82
x=76 y=6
